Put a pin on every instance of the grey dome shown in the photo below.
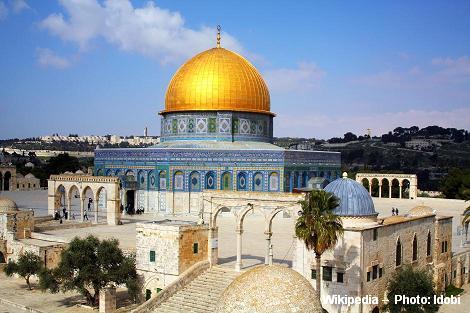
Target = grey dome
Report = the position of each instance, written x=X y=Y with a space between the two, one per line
x=354 y=198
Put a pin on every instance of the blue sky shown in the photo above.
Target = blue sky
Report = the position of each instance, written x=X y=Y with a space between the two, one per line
x=102 y=67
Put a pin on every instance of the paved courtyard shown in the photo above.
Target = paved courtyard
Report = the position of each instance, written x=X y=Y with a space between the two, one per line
x=254 y=243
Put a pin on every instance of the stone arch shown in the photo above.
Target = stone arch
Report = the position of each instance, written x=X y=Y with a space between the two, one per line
x=215 y=214
x=74 y=200
x=273 y=181
x=398 y=252
x=376 y=310
x=385 y=188
x=375 y=187
x=415 y=248
x=242 y=181
x=7 y=178
x=60 y=197
x=365 y=182
x=226 y=181
x=405 y=188
x=395 y=187
x=272 y=215
x=258 y=181
x=195 y=181
x=243 y=212
x=101 y=202
x=178 y=181
x=88 y=205
x=210 y=181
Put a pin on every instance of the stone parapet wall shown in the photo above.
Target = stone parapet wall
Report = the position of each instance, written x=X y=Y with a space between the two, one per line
x=183 y=280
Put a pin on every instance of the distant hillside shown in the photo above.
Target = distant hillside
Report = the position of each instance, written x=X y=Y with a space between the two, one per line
x=429 y=152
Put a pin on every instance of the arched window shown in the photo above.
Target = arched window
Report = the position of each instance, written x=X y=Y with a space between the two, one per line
x=142 y=180
x=152 y=180
x=195 y=181
x=415 y=248
x=258 y=182
x=226 y=181
x=398 y=253
x=274 y=181
x=162 y=180
x=178 y=181
x=210 y=182
x=241 y=181
x=428 y=244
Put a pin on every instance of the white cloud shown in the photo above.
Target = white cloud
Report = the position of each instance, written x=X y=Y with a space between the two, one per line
x=47 y=58
x=3 y=11
x=326 y=126
x=148 y=30
x=19 y=5
x=305 y=77
x=453 y=68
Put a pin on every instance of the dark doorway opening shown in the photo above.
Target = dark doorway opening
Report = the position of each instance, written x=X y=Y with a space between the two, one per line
x=130 y=202
x=6 y=181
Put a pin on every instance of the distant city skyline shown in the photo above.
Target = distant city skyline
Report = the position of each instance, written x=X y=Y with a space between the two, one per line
x=102 y=67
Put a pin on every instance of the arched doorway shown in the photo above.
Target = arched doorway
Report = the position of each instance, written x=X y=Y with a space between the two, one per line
x=395 y=188
x=376 y=310
x=89 y=204
x=385 y=188
x=101 y=206
x=375 y=187
x=365 y=183
x=2 y=258
x=73 y=197
x=405 y=189
x=6 y=181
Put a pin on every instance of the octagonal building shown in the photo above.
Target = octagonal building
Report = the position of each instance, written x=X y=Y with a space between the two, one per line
x=216 y=134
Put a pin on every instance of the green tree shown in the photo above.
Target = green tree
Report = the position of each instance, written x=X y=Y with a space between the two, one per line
x=411 y=283
x=28 y=264
x=456 y=184
x=88 y=265
x=62 y=163
x=318 y=226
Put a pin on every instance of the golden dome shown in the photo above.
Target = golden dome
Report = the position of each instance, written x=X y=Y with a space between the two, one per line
x=269 y=288
x=217 y=80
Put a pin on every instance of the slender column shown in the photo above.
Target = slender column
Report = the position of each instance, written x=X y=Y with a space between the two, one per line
x=389 y=191
x=399 y=191
x=268 y=246
x=238 y=264
x=380 y=190
x=81 y=209
x=95 y=204
x=370 y=188
x=69 y=207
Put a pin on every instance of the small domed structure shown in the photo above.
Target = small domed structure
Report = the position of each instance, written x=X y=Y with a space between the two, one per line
x=30 y=175
x=79 y=172
x=421 y=210
x=7 y=205
x=269 y=288
x=355 y=200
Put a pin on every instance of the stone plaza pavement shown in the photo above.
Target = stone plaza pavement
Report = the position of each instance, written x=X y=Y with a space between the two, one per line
x=254 y=244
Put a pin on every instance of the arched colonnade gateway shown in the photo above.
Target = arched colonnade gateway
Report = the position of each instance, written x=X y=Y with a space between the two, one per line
x=98 y=195
x=240 y=205
x=389 y=185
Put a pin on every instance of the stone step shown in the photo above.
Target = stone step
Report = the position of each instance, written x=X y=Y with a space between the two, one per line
x=189 y=302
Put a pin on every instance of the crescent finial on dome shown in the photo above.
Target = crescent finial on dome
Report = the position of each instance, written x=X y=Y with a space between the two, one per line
x=218 y=35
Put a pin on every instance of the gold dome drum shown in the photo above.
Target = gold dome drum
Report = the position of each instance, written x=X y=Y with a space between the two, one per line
x=217 y=80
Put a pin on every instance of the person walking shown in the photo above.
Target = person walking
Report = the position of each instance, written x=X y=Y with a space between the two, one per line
x=85 y=216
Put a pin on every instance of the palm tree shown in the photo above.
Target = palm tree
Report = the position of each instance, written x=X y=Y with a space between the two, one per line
x=318 y=226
